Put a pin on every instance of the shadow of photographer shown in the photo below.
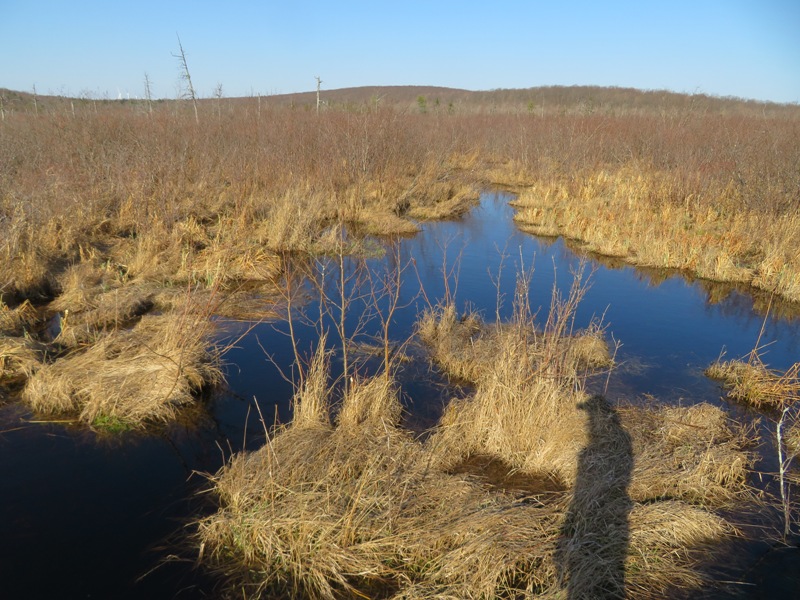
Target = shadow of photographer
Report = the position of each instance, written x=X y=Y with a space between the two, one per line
x=595 y=533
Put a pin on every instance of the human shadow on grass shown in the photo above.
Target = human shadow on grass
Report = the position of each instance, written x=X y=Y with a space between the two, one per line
x=595 y=534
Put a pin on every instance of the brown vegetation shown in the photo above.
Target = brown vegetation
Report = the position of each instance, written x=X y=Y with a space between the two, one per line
x=131 y=377
x=581 y=499
x=696 y=183
x=752 y=382
x=109 y=211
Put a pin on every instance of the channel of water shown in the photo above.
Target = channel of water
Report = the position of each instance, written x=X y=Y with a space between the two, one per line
x=91 y=517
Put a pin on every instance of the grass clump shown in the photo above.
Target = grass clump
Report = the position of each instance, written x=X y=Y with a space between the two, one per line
x=752 y=382
x=137 y=376
x=20 y=357
x=330 y=510
x=16 y=321
x=692 y=453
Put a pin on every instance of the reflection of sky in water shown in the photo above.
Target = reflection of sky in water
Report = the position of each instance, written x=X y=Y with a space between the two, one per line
x=668 y=330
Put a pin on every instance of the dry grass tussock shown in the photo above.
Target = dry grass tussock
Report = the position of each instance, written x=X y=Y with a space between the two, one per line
x=652 y=217
x=357 y=507
x=19 y=358
x=694 y=453
x=15 y=321
x=532 y=420
x=752 y=382
x=20 y=354
x=132 y=377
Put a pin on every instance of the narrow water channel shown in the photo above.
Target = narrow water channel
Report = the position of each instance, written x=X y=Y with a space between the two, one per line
x=88 y=517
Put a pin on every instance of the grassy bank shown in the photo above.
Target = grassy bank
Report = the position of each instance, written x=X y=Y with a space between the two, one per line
x=715 y=195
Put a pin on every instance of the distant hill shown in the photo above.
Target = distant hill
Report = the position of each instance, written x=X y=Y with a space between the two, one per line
x=535 y=100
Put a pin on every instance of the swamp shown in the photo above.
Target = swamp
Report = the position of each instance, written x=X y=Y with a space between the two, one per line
x=376 y=352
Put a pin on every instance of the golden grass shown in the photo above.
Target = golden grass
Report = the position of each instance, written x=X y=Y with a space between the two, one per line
x=19 y=358
x=669 y=542
x=584 y=500
x=753 y=383
x=15 y=321
x=362 y=509
x=355 y=509
x=143 y=375
x=643 y=215
x=693 y=453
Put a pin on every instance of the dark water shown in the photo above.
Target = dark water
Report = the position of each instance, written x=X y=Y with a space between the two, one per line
x=84 y=517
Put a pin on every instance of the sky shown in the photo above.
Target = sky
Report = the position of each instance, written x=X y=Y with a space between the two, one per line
x=748 y=49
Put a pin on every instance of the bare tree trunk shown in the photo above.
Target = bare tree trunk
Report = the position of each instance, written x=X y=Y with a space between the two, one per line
x=148 y=94
x=319 y=83
x=186 y=76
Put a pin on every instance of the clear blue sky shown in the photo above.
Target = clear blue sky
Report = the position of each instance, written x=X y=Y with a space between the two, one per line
x=749 y=49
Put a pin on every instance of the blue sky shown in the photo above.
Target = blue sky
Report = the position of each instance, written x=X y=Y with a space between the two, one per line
x=749 y=49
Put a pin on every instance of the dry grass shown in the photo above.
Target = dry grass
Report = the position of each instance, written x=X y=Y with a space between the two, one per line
x=650 y=218
x=143 y=375
x=326 y=512
x=669 y=542
x=15 y=321
x=753 y=383
x=19 y=358
x=363 y=509
x=584 y=500
x=692 y=453
x=165 y=200
x=531 y=420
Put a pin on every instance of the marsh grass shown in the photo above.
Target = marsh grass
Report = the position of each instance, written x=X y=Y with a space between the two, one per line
x=20 y=357
x=136 y=376
x=354 y=508
x=752 y=382
x=654 y=218
x=571 y=503
x=695 y=453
